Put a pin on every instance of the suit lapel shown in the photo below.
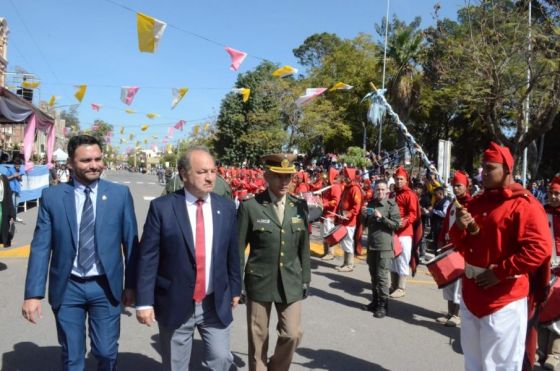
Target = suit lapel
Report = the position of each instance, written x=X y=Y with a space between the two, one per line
x=217 y=223
x=180 y=210
x=290 y=211
x=267 y=208
x=100 y=207
x=69 y=201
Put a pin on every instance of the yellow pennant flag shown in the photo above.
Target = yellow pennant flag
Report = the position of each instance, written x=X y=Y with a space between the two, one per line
x=30 y=84
x=145 y=141
x=196 y=129
x=206 y=127
x=144 y=127
x=152 y=115
x=122 y=130
x=284 y=71
x=150 y=31
x=52 y=101
x=80 y=92
x=244 y=92
x=178 y=95
x=131 y=136
x=169 y=148
x=341 y=86
x=130 y=111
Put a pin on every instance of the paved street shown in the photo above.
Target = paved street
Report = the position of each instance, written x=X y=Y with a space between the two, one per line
x=337 y=334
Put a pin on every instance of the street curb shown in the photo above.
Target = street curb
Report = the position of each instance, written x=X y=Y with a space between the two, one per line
x=16 y=252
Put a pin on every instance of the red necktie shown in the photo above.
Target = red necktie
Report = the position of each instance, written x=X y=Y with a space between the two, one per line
x=200 y=253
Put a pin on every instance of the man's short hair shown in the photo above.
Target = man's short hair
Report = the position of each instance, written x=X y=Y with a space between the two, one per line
x=380 y=181
x=80 y=140
x=185 y=159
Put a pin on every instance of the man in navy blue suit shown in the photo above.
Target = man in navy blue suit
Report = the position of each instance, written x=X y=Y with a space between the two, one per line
x=188 y=267
x=86 y=229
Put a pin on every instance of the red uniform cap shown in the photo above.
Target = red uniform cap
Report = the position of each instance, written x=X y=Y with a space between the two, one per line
x=333 y=173
x=350 y=173
x=401 y=172
x=498 y=154
x=460 y=178
x=555 y=184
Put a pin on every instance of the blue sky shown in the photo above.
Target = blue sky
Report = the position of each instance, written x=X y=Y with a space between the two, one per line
x=70 y=42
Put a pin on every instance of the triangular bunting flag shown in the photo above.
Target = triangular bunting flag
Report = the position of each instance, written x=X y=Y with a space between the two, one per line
x=80 y=92
x=178 y=95
x=150 y=31
x=310 y=93
x=284 y=71
x=237 y=57
x=244 y=92
x=128 y=93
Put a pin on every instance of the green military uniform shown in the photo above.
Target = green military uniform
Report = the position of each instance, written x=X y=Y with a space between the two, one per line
x=380 y=251
x=278 y=263
x=277 y=273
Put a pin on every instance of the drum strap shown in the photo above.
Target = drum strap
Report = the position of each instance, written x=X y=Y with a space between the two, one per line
x=554 y=258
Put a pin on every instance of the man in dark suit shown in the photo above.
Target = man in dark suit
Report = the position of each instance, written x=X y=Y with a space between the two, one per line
x=85 y=229
x=276 y=227
x=188 y=268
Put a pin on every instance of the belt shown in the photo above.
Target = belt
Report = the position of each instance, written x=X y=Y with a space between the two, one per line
x=86 y=279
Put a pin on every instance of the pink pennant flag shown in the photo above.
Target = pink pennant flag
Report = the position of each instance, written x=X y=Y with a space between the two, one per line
x=154 y=147
x=237 y=57
x=128 y=93
x=65 y=131
x=170 y=132
x=310 y=93
x=180 y=124
x=96 y=107
x=94 y=127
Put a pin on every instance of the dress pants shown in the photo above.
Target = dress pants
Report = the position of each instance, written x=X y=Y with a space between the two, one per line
x=289 y=335
x=89 y=298
x=495 y=341
x=379 y=263
x=176 y=344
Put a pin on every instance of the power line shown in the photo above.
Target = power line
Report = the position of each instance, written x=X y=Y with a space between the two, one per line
x=51 y=70
x=193 y=34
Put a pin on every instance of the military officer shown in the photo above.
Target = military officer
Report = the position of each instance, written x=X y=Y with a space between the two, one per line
x=277 y=273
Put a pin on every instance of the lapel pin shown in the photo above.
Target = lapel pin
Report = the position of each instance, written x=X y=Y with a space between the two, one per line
x=218 y=211
x=104 y=198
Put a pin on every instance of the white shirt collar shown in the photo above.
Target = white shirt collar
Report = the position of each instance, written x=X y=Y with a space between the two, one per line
x=191 y=199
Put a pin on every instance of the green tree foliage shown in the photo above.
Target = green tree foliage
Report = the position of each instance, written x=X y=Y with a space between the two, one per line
x=71 y=120
x=100 y=129
x=355 y=157
x=315 y=48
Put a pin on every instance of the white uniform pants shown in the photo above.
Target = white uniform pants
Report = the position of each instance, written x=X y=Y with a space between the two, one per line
x=452 y=292
x=347 y=243
x=328 y=224
x=400 y=263
x=495 y=341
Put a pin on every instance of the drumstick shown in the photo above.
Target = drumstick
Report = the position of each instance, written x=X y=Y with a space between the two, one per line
x=338 y=215
x=473 y=228
x=319 y=191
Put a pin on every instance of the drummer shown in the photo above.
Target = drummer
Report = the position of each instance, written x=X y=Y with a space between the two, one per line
x=347 y=215
x=452 y=292
x=549 y=336
x=331 y=199
x=504 y=238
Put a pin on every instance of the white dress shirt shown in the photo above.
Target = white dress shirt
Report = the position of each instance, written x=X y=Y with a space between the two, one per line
x=80 y=199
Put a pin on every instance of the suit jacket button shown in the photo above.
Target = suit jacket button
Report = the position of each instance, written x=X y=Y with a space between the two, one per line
x=281 y=254
x=283 y=242
x=281 y=264
x=262 y=229
x=282 y=231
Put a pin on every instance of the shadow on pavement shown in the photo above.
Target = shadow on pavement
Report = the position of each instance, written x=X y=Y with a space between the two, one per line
x=333 y=360
x=3 y=267
x=28 y=356
x=400 y=310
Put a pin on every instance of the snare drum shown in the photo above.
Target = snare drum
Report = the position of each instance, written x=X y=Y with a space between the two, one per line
x=314 y=204
x=336 y=235
x=550 y=310
x=447 y=267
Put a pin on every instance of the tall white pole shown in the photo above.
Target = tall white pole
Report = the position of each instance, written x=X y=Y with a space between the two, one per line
x=527 y=101
x=384 y=66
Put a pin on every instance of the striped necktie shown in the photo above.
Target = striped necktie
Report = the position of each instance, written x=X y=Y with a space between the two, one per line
x=86 y=249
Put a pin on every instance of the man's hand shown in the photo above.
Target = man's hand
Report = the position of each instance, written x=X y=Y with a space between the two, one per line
x=242 y=298
x=487 y=278
x=128 y=297
x=464 y=218
x=305 y=290
x=377 y=214
x=146 y=316
x=364 y=212
x=234 y=301
x=29 y=308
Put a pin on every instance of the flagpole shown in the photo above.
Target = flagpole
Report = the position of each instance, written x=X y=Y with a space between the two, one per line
x=383 y=78
x=526 y=110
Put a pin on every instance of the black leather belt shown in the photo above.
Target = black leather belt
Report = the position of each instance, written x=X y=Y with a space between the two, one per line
x=86 y=279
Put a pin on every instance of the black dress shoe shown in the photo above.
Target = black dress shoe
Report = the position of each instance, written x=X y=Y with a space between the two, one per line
x=369 y=307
